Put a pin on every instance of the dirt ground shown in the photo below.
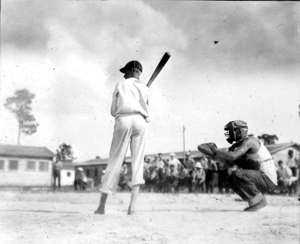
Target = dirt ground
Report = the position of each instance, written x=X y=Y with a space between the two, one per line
x=67 y=217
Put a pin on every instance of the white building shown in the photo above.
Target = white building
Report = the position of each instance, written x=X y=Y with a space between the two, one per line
x=67 y=174
x=25 y=166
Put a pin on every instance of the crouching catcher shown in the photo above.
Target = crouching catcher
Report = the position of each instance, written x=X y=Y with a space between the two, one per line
x=252 y=171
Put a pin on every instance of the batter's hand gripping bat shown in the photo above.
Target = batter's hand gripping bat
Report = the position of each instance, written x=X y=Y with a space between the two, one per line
x=159 y=67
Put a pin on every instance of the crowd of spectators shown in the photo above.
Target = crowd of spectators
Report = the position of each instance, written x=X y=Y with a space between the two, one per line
x=203 y=175
x=171 y=175
x=288 y=175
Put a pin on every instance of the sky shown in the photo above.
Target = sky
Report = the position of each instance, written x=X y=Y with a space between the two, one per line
x=229 y=60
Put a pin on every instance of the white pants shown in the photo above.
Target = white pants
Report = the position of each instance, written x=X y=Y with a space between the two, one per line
x=129 y=130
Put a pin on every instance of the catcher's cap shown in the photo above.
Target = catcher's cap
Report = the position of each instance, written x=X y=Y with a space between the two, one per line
x=80 y=169
x=132 y=64
x=172 y=154
x=236 y=124
x=198 y=165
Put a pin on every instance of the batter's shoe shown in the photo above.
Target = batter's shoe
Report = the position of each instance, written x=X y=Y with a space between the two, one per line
x=263 y=203
x=99 y=211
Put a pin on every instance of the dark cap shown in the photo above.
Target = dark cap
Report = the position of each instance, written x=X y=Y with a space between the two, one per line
x=131 y=65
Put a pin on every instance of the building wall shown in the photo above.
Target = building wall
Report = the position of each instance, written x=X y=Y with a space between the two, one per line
x=26 y=172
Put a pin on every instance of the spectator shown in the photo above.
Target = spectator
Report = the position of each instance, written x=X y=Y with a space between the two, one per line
x=172 y=177
x=153 y=175
x=211 y=168
x=174 y=161
x=160 y=171
x=57 y=167
x=284 y=174
x=204 y=163
x=190 y=165
x=222 y=175
x=292 y=162
x=146 y=173
x=80 y=180
x=183 y=176
x=124 y=179
x=198 y=177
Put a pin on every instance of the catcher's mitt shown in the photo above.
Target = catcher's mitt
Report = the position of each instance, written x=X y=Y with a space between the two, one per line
x=206 y=148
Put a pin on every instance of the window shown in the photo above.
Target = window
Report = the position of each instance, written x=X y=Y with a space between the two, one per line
x=87 y=173
x=31 y=165
x=68 y=174
x=96 y=172
x=43 y=166
x=13 y=165
x=1 y=164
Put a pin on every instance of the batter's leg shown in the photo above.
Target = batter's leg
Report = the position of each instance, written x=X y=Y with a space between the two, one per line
x=134 y=195
x=101 y=208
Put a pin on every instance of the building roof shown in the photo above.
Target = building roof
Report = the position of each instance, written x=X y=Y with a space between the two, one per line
x=67 y=165
x=96 y=161
x=274 y=148
x=25 y=151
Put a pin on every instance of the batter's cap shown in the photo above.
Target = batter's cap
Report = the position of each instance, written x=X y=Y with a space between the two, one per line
x=132 y=64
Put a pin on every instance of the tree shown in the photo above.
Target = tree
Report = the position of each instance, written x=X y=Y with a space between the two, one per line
x=268 y=139
x=20 y=106
x=65 y=153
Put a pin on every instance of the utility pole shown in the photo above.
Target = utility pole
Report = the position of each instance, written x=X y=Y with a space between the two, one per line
x=183 y=132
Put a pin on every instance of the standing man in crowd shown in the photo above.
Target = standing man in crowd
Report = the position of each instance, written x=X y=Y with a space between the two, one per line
x=222 y=175
x=80 y=182
x=183 y=177
x=57 y=167
x=174 y=161
x=292 y=162
x=190 y=166
x=130 y=107
x=211 y=169
x=253 y=171
x=284 y=174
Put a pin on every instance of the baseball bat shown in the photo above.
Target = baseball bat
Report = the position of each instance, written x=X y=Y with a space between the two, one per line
x=159 y=67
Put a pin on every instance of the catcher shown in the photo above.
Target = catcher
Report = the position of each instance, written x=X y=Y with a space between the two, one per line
x=252 y=171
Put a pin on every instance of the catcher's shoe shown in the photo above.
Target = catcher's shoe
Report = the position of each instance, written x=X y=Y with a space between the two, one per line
x=263 y=203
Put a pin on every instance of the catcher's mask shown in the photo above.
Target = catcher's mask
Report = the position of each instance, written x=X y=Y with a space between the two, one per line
x=235 y=130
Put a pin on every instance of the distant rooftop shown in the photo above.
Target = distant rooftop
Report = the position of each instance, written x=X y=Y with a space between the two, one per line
x=274 y=148
x=25 y=151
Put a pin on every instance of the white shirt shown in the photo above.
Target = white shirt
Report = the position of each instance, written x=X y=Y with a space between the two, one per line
x=291 y=162
x=130 y=96
x=174 y=162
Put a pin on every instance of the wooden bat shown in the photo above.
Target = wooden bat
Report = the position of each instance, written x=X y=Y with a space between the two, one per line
x=159 y=67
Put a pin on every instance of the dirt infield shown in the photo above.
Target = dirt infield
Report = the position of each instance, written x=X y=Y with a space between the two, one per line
x=60 y=217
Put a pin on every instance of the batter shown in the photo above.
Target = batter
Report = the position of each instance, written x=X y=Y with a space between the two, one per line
x=130 y=107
